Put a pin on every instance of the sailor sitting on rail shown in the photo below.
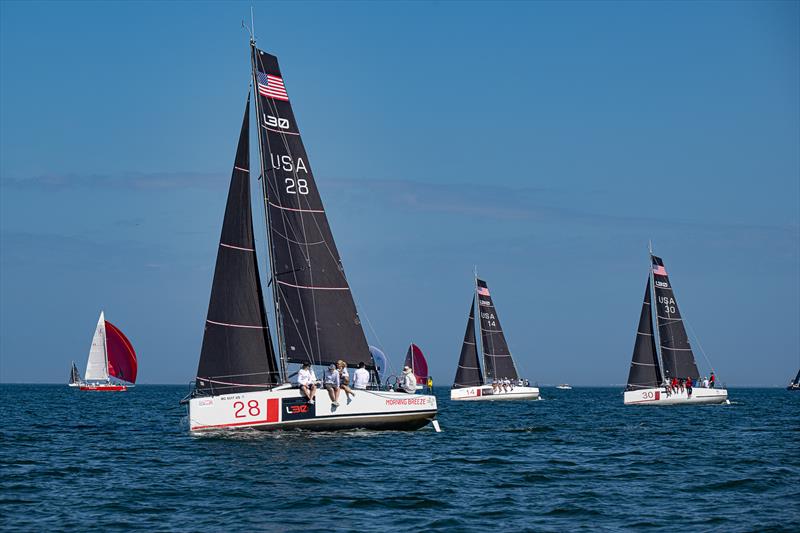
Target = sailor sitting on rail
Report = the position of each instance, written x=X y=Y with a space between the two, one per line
x=344 y=377
x=333 y=384
x=307 y=381
x=409 y=382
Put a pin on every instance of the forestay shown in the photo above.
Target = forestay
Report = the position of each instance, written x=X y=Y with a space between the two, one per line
x=317 y=316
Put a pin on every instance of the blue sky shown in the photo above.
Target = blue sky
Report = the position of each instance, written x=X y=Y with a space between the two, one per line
x=544 y=142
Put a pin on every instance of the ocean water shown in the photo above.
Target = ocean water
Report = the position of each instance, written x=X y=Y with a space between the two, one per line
x=577 y=461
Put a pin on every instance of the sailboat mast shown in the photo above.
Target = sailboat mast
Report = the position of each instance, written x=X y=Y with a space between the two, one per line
x=105 y=347
x=654 y=311
x=275 y=299
x=477 y=303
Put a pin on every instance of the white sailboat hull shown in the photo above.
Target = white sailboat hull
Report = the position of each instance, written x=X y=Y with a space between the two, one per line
x=286 y=408
x=486 y=393
x=657 y=396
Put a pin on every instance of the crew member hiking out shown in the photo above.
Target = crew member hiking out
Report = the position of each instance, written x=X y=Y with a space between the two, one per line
x=308 y=382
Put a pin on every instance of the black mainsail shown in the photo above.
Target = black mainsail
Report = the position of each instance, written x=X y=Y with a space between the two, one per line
x=645 y=371
x=74 y=375
x=237 y=353
x=676 y=354
x=468 y=373
x=497 y=359
x=317 y=317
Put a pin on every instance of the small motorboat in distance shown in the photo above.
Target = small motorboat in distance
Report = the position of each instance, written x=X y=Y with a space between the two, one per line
x=501 y=382
x=564 y=386
x=658 y=372
x=112 y=364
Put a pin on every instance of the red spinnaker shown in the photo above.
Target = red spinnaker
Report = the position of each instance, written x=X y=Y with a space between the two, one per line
x=418 y=364
x=121 y=356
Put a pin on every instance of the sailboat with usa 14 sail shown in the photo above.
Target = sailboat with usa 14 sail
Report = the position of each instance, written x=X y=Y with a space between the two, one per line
x=657 y=366
x=241 y=382
x=499 y=379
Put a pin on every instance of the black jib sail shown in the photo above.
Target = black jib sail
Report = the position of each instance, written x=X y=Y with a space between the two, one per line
x=237 y=353
x=497 y=359
x=468 y=373
x=74 y=375
x=676 y=353
x=645 y=372
x=316 y=313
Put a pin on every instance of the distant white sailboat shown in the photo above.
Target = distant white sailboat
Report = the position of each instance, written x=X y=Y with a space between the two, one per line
x=655 y=365
x=112 y=364
x=564 y=386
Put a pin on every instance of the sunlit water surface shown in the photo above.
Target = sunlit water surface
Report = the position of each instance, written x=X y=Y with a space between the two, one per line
x=578 y=460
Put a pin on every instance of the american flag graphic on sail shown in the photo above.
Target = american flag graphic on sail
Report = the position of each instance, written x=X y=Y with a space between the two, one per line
x=272 y=87
x=483 y=291
x=659 y=270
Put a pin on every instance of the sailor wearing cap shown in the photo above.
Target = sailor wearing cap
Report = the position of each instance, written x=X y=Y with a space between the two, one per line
x=408 y=381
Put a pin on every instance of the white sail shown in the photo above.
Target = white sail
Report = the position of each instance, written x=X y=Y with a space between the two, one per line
x=97 y=365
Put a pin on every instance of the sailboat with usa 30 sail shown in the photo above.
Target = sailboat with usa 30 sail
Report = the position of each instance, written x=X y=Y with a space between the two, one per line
x=663 y=368
x=242 y=381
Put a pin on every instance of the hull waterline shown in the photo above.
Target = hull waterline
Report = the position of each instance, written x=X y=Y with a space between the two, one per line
x=104 y=388
x=285 y=408
x=486 y=393
x=657 y=396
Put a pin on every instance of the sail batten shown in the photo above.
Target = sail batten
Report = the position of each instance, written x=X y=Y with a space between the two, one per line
x=497 y=359
x=237 y=353
x=468 y=372
x=677 y=357
x=317 y=317
x=645 y=371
